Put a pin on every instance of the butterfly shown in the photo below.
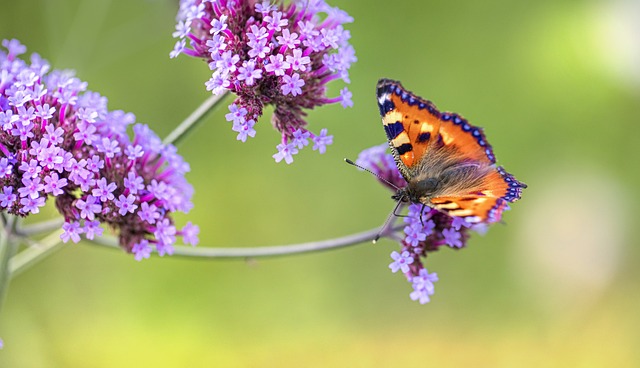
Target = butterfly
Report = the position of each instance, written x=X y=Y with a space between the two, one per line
x=447 y=162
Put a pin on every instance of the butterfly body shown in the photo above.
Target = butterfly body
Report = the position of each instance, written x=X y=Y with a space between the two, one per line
x=447 y=162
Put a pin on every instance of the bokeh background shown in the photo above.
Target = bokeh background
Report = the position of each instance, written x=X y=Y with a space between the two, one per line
x=556 y=85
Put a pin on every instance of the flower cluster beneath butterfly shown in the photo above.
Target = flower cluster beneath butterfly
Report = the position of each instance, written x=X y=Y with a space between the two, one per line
x=445 y=169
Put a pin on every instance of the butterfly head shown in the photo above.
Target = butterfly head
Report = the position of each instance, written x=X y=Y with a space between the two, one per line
x=418 y=191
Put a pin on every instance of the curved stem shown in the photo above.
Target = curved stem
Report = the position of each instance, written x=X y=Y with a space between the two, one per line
x=270 y=251
x=35 y=253
x=40 y=227
x=192 y=120
x=8 y=247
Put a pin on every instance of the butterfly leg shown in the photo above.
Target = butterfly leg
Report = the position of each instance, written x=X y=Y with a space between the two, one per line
x=421 y=213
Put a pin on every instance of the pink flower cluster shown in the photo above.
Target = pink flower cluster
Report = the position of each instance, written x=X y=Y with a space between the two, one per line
x=280 y=54
x=59 y=140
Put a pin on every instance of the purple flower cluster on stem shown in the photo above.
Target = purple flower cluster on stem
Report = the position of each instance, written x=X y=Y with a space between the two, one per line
x=425 y=229
x=58 y=139
x=281 y=54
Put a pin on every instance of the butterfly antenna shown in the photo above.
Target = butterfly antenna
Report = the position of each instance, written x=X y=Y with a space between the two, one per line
x=371 y=172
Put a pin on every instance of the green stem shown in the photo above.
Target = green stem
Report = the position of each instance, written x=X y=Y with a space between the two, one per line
x=40 y=227
x=36 y=252
x=270 y=251
x=8 y=247
x=192 y=120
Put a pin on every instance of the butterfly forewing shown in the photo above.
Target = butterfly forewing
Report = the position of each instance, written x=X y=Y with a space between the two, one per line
x=410 y=124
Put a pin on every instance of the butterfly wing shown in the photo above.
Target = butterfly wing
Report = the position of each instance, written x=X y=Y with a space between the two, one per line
x=410 y=123
x=426 y=143
x=484 y=202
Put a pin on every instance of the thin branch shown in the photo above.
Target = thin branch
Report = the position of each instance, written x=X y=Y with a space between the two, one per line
x=269 y=251
x=40 y=227
x=192 y=120
x=35 y=253
x=8 y=247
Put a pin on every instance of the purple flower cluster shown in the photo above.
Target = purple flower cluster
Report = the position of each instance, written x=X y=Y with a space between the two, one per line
x=58 y=139
x=425 y=230
x=281 y=54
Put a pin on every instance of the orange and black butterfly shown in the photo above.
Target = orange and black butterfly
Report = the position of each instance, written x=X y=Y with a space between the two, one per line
x=447 y=162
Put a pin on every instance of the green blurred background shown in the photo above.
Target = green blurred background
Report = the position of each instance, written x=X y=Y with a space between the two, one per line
x=556 y=85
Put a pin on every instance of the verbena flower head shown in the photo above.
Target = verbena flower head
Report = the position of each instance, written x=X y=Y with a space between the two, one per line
x=279 y=54
x=425 y=229
x=57 y=139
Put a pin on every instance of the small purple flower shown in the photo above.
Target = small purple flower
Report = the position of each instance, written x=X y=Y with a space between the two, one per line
x=31 y=187
x=275 y=21
x=292 y=85
x=89 y=207
x=109 y=147
x=259 y=48
x=148 y=212
x=257 y=33
x=7 y=197
x=178 y=48
x=182 y=30
x=285 y=152
x=134 y=152
x=163 y=249
x=14 y=47
x=31 y=169
x=245 y=129
x=298 y=61
x=141 y=250
x=104 y=190
x=26 y=115
x=249 y=73
x=126 y=204
x=320 y=142
x=236 y=114
x=288 y=39
x=414 y=235
x=227 y=63
x=345 y=98
x=459 y=222
x=423 y=286
x=277 y=65
x=452 y=238
x=301 y=138
x=31 y=205
x=72 y=231
x=6 y=168
x=92 y=229
x=190 y=233
x=133 y=183
x=265 y=7
x=165 y=232
x=218 y=25
x=400 y=261
x=54 y=184
x=45 y=112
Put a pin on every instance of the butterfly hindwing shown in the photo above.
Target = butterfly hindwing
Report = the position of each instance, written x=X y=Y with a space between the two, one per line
x=485 y=202
x=428 y=144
